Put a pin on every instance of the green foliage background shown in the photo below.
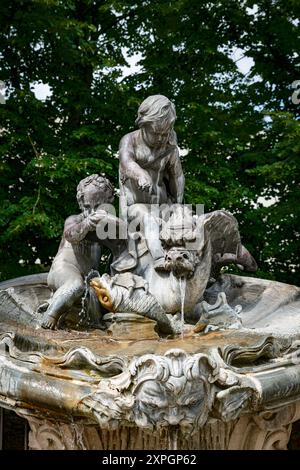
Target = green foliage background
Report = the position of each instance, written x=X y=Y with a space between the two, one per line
x=241 y=131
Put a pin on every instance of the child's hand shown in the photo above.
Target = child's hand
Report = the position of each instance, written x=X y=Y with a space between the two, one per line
x=95 y=217
x=145 y=184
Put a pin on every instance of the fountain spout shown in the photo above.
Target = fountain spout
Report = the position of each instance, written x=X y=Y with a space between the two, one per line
x=181 y=262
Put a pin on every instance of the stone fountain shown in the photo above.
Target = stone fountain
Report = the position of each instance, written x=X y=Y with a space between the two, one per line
x=164 y=351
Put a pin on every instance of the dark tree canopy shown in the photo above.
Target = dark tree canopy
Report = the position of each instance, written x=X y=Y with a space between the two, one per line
x=240 y=132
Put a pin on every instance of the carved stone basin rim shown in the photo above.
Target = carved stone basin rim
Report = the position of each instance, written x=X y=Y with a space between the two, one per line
x=150 y=391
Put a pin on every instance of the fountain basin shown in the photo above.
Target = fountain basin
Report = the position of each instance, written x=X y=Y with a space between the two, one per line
x=102 y=389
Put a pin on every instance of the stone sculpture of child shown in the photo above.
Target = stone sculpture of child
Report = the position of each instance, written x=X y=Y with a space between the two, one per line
x=80 y=248
x=150 y=169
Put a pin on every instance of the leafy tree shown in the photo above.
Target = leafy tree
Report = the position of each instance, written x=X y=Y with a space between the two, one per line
x=241 y=133
x=47 y=147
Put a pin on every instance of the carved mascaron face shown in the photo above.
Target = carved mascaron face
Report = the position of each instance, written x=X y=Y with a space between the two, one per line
x=174 y=402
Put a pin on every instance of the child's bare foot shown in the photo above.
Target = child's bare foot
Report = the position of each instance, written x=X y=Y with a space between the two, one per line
x=49 y=323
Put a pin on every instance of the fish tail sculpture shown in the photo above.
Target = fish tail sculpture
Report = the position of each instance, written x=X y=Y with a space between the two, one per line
x=117 y=298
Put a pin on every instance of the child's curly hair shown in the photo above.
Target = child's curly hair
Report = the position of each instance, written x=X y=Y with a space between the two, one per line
x=100 y=182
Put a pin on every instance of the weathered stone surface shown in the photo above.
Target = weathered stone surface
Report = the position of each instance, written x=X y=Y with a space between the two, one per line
x=268 y=431
x=215 y=387
x=162 y=351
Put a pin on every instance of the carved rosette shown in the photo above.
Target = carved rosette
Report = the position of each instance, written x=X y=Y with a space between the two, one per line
x=49 y=435
x=268 y=430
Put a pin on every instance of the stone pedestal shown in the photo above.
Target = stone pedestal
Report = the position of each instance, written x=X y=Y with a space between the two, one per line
x=267 y=431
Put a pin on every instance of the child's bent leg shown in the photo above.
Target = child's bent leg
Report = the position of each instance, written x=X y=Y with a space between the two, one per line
x=61 y=301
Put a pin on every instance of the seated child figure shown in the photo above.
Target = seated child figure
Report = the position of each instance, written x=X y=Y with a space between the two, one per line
x=79 y=250
x=150 y=170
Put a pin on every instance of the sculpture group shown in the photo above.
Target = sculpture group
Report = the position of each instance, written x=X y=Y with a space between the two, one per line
x=163 y=255
x=105 y=379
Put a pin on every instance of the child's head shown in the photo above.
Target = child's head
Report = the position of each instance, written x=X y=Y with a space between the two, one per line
x=93 y=191
x=156 y=117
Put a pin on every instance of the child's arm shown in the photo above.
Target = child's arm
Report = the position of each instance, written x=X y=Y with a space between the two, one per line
x=175 y=178
x=129 y=168
x=77 y=227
